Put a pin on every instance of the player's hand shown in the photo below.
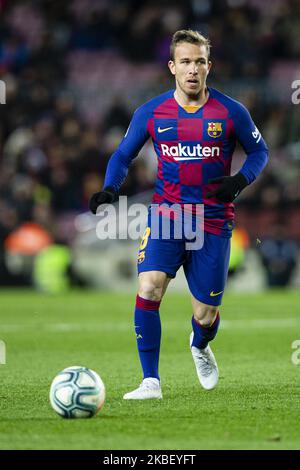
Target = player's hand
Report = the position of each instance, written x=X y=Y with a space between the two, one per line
x=107 y=196
x=229 y=188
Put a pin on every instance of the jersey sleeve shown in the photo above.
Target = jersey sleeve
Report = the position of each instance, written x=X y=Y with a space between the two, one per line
x=134 y=139
x=252 y=142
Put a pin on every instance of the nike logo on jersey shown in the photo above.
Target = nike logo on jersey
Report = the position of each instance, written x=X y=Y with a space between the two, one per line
x=213 y=294
x=160 y=130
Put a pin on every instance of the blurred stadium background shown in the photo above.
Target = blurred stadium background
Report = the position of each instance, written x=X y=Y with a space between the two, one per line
x=74 y=73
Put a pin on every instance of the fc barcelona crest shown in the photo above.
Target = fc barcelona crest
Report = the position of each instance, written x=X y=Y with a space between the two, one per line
x=141 y=257
x=214 y=129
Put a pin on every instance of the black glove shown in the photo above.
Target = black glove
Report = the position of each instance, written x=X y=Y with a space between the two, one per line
x=107 y=196
x=229 y=189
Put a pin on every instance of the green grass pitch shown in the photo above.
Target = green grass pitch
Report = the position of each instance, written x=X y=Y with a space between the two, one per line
x=255 y=406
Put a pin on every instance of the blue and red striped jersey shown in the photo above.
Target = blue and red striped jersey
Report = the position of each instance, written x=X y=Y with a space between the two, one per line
x=191 y=149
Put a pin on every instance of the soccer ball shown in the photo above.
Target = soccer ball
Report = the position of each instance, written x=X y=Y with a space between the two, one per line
x=77 y=392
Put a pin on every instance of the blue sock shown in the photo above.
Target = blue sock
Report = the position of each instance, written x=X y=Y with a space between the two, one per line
x=202 y=335
x=148 y=334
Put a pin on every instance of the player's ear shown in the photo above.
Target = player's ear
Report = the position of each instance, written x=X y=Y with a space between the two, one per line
x=171 y=66
x=209 y=66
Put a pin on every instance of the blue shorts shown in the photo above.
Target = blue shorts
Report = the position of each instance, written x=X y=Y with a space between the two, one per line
x=205 y=269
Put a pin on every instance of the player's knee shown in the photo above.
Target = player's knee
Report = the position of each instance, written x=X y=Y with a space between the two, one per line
x=152 y=285
x=206 y=314
x=150 y=290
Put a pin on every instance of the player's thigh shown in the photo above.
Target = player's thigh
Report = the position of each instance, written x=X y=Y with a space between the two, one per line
x=206 y=270
x=153 y=284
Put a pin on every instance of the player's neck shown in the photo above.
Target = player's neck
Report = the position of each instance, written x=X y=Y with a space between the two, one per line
x=184 y=100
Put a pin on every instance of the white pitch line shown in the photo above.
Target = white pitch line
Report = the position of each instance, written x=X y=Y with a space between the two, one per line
x=261 y=323
x=126 y=326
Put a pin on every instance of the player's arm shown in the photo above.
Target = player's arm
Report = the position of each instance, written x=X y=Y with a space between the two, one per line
x=257 y=156
x=119 y=162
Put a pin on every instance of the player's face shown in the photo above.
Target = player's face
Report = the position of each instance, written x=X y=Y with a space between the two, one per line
x=190 y=68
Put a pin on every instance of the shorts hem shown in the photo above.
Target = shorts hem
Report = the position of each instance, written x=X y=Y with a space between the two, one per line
x=203 y=298
x=156 y=268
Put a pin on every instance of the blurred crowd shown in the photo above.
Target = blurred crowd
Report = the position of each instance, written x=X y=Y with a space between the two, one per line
x=76 y=70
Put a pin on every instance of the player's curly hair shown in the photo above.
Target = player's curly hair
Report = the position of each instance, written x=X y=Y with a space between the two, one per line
x=188 y=35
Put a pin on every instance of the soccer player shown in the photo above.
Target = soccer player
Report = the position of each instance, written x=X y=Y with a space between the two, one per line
x=194 y=130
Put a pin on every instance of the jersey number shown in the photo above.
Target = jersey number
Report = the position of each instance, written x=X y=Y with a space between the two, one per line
x=144 y=240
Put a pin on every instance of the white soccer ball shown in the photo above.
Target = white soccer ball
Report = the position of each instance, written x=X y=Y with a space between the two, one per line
x=77 y=392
